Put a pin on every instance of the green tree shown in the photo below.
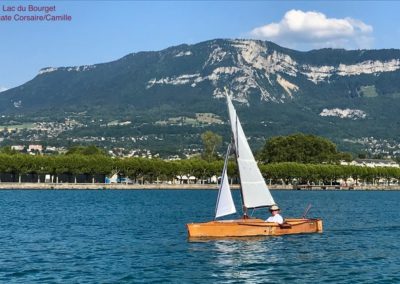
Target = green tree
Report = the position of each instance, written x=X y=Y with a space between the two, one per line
x=85 y=150
x=300 y=148
x=7 y=150
x=98 y=165
x=211 y=143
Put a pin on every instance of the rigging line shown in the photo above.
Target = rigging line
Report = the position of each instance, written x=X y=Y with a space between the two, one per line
x=232 y=112
x=237 y=136
x=306 y=211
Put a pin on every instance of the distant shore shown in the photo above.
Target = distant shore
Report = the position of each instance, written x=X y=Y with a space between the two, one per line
x=119 y=186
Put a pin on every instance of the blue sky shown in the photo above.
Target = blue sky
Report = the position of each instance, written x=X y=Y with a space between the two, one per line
x=102 y=31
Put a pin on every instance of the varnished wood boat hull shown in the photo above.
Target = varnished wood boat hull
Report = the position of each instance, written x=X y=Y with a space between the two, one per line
x=253 y=227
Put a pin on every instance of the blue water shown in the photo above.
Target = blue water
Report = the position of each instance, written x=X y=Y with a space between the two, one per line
x=140 y=236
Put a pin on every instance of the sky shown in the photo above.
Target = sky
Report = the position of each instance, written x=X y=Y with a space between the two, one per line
x=103 y=31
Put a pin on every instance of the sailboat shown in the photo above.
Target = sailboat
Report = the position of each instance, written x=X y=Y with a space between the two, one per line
x=254 y=194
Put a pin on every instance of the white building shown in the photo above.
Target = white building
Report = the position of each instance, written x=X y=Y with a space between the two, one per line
x=372 y=163
x=186 y=179
x=17 y=147
x=35 y=148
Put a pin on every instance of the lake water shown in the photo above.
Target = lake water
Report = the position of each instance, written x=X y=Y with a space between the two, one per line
x=140 y=236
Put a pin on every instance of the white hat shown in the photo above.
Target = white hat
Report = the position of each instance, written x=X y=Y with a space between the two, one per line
x=274 y=207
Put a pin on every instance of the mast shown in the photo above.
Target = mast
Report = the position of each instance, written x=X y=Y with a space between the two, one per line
x=244 y=208
x=236 y=148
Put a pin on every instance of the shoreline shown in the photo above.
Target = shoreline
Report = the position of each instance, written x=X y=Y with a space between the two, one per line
x=103 y=186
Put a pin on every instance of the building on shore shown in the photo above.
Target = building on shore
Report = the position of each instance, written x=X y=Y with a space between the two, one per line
x=33 y=148
x=372 y=163
x=18 y=147
x=184 y=179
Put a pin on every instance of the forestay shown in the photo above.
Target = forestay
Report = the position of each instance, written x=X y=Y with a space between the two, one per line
x=255 y=192
x=225 y=204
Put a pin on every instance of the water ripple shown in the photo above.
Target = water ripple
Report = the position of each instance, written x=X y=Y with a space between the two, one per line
x=140 y=237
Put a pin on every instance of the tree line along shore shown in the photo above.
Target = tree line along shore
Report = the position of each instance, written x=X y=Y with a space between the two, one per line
x=163 y=186
x=296 y=161
x=75 y=168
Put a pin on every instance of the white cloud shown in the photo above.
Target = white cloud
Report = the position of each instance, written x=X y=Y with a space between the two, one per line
x=305 y=30
x=2 y=89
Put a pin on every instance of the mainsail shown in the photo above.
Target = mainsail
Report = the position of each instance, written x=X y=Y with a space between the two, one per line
x=255 y=192
x=225 y=204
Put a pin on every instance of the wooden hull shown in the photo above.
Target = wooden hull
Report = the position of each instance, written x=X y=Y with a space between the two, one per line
x=253 y=227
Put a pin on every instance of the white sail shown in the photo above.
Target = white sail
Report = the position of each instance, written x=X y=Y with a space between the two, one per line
x=225 y=205
x=255 y=192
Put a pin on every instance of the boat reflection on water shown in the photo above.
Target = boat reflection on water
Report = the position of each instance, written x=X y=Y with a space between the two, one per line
x=261 y=259
x=229 y=239
x=247 y=259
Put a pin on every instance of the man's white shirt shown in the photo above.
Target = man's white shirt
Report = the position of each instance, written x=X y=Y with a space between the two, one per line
x=276 y=219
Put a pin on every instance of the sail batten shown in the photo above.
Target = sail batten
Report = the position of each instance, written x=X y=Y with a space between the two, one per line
x=255 y=192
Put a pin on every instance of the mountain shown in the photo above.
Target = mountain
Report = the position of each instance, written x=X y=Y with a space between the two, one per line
x=344 y=95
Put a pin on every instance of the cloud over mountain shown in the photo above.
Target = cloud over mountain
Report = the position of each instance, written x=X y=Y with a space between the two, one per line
x=2 y=89
x=312 y=29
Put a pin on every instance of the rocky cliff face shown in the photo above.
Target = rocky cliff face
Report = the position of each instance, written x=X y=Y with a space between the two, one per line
x=247 y=68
